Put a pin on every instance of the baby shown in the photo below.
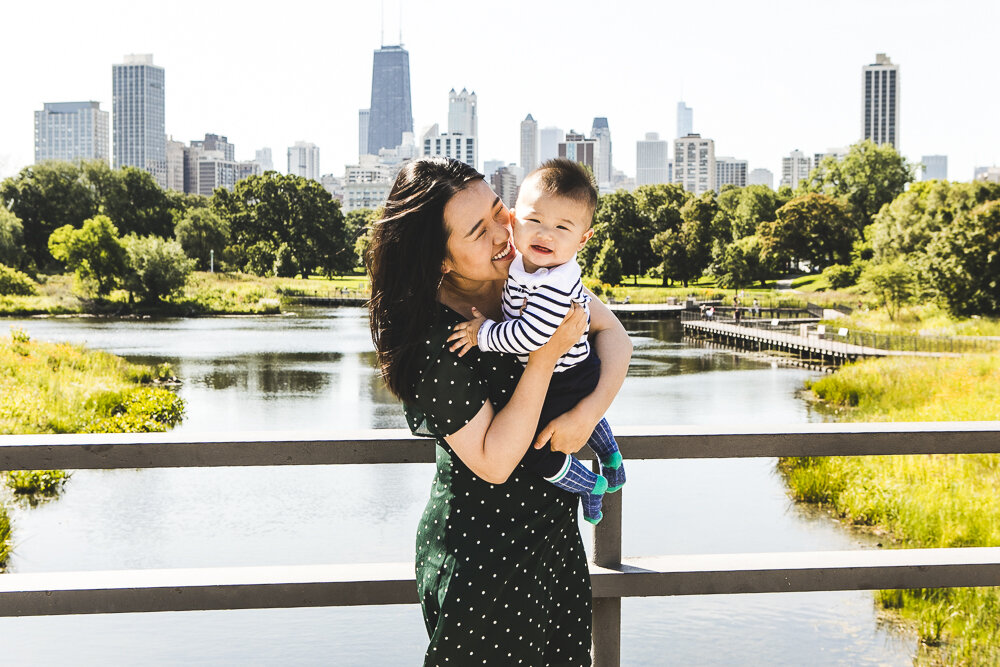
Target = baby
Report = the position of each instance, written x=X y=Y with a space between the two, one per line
x=553 y=214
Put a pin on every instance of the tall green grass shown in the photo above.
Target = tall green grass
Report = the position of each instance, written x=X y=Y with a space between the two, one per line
x=64 y=388
x=919 y=501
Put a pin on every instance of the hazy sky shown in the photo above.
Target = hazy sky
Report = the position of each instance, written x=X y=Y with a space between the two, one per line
x=763 y=77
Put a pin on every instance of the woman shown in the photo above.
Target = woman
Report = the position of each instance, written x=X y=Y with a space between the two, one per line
x=501 y=571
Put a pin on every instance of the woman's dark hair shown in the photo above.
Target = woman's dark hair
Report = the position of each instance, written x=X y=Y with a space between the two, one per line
x=404 y=263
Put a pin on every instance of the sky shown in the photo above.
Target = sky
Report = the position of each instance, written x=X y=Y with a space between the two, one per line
x=764 y=78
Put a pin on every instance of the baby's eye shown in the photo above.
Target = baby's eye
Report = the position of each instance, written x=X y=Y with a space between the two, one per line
x=562 y=227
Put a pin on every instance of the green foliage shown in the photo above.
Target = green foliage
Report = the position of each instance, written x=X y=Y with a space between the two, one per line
x=36 y=482
x=741 y=264
x=867 y=178
x=684 y=253
x=963 y=262
x=893 y=284
x=11 y=239
x=200 y=232
x=840 y=276
x=607 y=266
x=140 y=410
x=14 y=282
x=94 y=253
x=617 y=219
x=359 y=230
x=811 y=228
x=4 y=536
x=157 y=268
x=131 y=198
x=274 y=210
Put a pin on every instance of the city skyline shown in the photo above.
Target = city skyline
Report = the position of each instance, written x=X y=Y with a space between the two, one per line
x=754 y=103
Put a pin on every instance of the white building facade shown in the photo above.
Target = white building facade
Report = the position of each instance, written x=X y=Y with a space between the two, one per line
x=730 y=171
x=460 y=147
x=761 y=177
x=694 y=163
x=652 y=160
x=529 y=144
x=880 y=101
x=303 y=160
x=795 y=168
x=934 y=167
x=138 y=135
x=71 y=131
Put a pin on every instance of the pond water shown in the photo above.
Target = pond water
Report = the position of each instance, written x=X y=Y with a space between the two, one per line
x=314 y=369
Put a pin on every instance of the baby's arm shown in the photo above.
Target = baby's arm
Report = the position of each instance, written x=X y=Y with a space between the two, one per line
x=543 y=310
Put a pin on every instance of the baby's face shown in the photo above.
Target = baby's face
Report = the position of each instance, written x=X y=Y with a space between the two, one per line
x=549 y=229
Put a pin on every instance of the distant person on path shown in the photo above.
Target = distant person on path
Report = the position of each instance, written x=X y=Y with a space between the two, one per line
x=501 y=572
x=755 y=309
x=552 y=217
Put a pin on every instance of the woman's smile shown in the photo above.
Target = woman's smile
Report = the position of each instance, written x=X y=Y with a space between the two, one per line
x=505 y=255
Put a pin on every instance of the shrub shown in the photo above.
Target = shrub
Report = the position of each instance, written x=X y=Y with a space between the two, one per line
x=36 y=482
x=94 y=253
x=201 y=232
x=840 y=276
x=13 y=282
x=143 y=410
x=11 y=239
x=158 y=268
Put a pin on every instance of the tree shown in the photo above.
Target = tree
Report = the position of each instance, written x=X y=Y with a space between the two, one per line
x=892 y=283
x=201 y=232
x=273 y=210
x=358 y=223
x=157 y=267
x=132 y=198
x=45 y=197
x=93 y=252
x=813 y=228
x=11 y=239
x=757 y=204
x=866 y=179
x=964 y=262
x=617 y=219
x=741 y=264
x=607 y=267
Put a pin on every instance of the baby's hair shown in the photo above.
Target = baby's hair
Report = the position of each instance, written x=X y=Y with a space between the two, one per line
x=567 y=178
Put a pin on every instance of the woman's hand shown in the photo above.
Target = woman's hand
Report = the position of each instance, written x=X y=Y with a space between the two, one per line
x=566 y=335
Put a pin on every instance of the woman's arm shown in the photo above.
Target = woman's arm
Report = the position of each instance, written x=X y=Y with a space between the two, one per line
x=569 y=431
x=492 y=443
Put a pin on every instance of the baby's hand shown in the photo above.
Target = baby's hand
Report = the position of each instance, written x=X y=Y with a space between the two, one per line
x=464 y=338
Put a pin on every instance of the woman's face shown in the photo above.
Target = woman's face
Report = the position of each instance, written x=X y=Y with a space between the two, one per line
x=479 y=246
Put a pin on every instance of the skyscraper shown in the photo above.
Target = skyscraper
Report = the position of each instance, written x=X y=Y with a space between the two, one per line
x=462 y=114
x=458 y=146
x=795 y=168
x=730 y=171
x=601 y=134
x=390 y=113
x=652 y=160
x=364 y=116
x=263 y=157
x=880 y=110
x=685 y=120
x=529 y=144
x=761 y=177
x=548 y=146
x=694 y=163
x=303 y=160
x=579 y=149
x=71 y=131
x=138 y=116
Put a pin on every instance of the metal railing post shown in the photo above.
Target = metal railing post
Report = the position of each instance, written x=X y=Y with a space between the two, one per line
x=607 y=616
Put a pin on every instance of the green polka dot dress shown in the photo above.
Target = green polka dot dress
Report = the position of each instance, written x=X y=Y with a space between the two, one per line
x=501 y=571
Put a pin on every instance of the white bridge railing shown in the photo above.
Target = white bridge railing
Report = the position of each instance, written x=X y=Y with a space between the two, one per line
x=613 y=576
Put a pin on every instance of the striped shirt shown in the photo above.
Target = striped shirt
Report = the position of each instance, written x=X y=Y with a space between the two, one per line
x=533 y=306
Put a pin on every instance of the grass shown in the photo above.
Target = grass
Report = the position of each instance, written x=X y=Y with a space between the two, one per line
x=64 y=388
x=205 y=294
x=926 y=318
x=919 y=501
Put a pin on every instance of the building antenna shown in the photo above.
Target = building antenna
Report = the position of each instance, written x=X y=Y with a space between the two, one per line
x=381 y=31
x=400 y=23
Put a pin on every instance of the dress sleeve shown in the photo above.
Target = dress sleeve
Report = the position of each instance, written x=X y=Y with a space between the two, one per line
x=449 y=392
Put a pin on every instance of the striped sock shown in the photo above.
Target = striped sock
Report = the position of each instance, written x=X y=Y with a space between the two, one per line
x=602 y=442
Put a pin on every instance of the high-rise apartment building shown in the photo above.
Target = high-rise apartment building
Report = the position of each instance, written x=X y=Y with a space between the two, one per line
x=529 y=144
x=652 y=160
x=364 y=118
x=71 y=131
x=880 y=110
x=578 y=148
x=213 y=142
x=794 y=168
x=761 y=177
x=463 y=116
x=835 y=153
x=601 y=134
x=390 y=113
x=685 y=120
x=262 y=156
x=139 y=136
x=934 y=167
x=730 y=171
x=458 y=146
x=694 y=163
x=548 y=144
x=505 y=182
x=303 y=160
x=175 y=165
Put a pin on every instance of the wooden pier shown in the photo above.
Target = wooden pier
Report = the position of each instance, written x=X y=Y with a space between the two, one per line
x=812 y=348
